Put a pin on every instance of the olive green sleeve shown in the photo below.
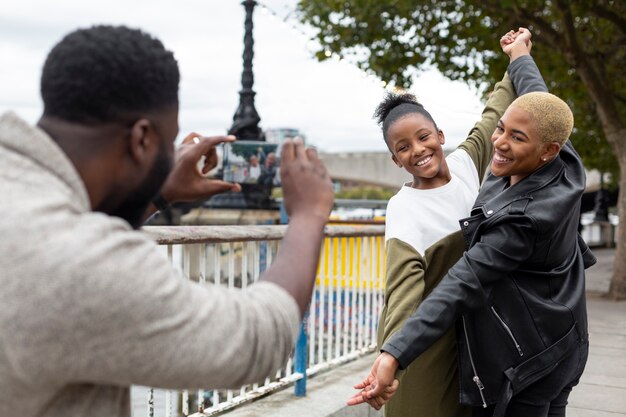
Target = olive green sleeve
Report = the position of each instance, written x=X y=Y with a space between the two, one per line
x=404 y=286
x=478 y=142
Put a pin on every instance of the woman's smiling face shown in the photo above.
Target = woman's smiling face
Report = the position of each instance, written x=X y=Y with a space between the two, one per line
x=518 y=150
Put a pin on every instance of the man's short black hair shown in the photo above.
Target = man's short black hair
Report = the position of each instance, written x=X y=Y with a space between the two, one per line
x=102 y=73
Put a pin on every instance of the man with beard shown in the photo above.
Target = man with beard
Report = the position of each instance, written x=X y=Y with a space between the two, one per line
x=90 y=306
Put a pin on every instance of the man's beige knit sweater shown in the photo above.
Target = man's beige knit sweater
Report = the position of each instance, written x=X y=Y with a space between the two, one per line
x=88 y=306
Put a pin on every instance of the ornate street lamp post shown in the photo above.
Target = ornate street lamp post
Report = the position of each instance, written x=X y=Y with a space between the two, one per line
x=246 y=119
x=246 y=127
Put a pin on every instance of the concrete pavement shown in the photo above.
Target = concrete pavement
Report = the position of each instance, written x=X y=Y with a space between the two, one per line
x=599 y=275
x=602 y=389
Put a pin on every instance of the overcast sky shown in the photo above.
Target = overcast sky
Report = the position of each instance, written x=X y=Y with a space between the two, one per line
x=331 y=102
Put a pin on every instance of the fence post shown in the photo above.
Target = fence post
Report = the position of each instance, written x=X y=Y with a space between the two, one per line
x=300 y=354
x=300 y=358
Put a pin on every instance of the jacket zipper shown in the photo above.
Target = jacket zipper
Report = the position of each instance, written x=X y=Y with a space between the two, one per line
x=476 y=379
x=508 y=330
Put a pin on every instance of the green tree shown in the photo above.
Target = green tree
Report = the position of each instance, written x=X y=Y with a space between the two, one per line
x=580 y=46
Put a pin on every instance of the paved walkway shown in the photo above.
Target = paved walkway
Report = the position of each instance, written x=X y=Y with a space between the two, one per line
x=599 y=275
x=602 y=390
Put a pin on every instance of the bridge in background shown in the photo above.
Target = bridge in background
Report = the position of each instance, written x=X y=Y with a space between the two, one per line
x=368 y=168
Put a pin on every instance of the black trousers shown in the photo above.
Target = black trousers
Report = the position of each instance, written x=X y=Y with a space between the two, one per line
x=548 y=396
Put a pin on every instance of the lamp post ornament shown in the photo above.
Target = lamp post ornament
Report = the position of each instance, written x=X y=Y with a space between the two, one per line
x=246 y=119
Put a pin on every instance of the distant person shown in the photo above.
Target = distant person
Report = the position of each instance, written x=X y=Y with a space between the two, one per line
x=517 y=294
x=268 y=172
x=91 y=306
x=422 y=234
x=254 y=169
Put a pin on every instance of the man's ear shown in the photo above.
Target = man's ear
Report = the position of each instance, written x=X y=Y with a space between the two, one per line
x=140 y=141
x=442 y=137
x=395 y=161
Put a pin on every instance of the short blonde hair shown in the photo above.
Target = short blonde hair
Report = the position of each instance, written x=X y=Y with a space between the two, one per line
x=553 y=118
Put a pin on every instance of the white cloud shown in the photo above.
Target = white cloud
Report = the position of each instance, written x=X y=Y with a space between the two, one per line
x=330 y=101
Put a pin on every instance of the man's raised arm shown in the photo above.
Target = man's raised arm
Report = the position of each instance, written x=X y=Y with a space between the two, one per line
x=308 y=200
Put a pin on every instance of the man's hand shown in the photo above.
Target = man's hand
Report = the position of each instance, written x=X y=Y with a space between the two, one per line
x=380 y=385
x=186 y=182
x=307 y=188
x=308 y=200
x=516 y=44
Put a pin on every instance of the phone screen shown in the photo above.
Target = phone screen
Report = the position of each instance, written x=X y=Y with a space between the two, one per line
x=252 y=162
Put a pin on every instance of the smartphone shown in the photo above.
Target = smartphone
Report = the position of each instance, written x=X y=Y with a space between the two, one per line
x=251 y=162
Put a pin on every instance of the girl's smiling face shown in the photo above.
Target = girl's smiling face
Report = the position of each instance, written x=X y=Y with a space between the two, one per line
x=415 y=144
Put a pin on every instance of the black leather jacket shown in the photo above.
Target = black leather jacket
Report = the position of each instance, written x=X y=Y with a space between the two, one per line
x=518 y=293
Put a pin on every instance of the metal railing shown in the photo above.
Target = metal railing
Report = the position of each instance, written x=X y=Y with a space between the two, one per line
x=340 y=325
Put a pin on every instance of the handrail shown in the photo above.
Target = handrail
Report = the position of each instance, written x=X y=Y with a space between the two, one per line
x=340 y=323
x=172 y=235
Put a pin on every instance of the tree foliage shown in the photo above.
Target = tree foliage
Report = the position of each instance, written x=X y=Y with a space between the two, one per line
x=396 y=39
